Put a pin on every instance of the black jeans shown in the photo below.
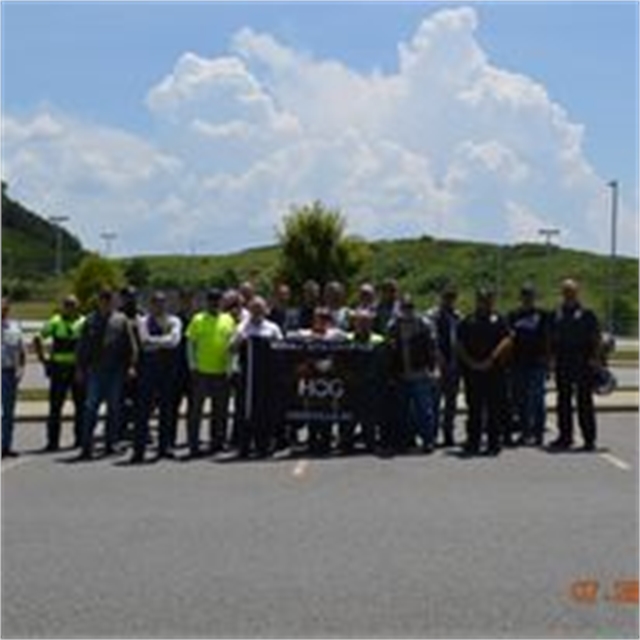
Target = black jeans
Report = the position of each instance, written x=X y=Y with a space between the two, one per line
x=580 y=380
x=486 y=400
x=156 y=387
x=215 y=387
x=62 y=379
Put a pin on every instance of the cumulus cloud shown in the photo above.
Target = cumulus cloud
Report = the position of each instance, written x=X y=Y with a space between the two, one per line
x=448 y=143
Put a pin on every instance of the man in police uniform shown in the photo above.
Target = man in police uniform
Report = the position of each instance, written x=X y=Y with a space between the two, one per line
x=483 y=342
x=63 y=330
x=576 y=346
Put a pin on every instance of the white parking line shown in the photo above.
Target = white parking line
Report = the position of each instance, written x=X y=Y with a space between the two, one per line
x=615 y=461
x=300 y=469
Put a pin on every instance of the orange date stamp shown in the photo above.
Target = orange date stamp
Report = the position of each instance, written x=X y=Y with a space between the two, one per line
x=593 y=591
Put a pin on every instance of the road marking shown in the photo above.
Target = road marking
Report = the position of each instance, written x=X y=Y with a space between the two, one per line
x=615 y=461
x=300 y=469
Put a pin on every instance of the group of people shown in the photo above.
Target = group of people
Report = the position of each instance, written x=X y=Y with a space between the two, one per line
x=141 y=362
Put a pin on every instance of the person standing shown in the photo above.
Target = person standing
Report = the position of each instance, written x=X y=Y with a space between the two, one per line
x=208 y=346
x=483 y=343
x=576 y=337
x=368 y=392
x=413 y=365
x=445 y=319
x=183 y=375
x=310 y=301
x=281 y=312
x=334 y=294
x=159 y=333
x=255 y=425
x=129 y=306
x=529 y=365
x=63 y=330
x=13 y=363
x=107 y=353
x=388 y=306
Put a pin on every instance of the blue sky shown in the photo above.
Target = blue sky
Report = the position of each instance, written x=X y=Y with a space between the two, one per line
x=95 y=63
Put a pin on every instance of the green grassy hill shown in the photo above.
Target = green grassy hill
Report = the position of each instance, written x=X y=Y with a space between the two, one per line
x=421 y=265
x=29 y=244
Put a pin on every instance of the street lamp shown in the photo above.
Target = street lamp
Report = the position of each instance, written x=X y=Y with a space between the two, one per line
x=57 y=221
x=613 y=185
x=108 y=237
x=549 y=233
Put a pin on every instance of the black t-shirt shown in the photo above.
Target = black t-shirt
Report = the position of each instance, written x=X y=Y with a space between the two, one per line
x=530 y=328
x=575 y=333
x=479 y=334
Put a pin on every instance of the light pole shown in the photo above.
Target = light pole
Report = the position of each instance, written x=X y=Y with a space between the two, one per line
x=613 y=185
x=548 y=233
x=57 y=221
x=108 y=237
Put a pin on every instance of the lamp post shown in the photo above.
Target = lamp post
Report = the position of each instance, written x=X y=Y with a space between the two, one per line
x=57 y=221
x=549 y=233
x=613 y=185
x=108 y=237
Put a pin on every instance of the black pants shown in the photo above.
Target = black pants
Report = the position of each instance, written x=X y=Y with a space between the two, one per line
x=61 y=381
x=486 y=401
x=215 y=387
x=579 y=379
x=156 y=387
x=254 y=428
x=182 y=390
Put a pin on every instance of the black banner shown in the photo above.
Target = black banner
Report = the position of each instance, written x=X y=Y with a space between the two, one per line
x=310 y=381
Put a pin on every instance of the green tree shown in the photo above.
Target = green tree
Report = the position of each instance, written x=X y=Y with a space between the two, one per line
x=313 y=245
x=137 y=272
x=95 y=273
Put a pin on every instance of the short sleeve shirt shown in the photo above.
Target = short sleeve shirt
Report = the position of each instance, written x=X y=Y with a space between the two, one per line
x=12 y=344
x=211 y=336
x=480 y=334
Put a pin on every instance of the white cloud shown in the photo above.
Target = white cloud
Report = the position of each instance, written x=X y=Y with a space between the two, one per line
x=447 y=144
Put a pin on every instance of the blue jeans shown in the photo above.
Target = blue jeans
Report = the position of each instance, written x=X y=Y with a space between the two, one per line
x=416 y=399
x=446 y=390
x=102 y=385
x=9 y=394
x=528 y=397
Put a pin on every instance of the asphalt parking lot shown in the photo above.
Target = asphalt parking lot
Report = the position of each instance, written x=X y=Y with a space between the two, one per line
x=341 y=547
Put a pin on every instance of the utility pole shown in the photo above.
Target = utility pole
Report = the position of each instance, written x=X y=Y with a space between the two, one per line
x=613 y=185
x=108 y=237
x=548 y=234
x=57 y=221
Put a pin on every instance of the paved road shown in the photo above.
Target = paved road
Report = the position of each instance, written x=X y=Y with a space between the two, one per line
x=342 y=547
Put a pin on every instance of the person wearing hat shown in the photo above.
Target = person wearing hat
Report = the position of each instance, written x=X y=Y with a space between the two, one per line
x=61 y=332
x=483 y=342
x=106 y=355
x=412 y=359
x=208 y=347
x=529 y=364
x=445 y=319
x=159 y=333
x=575 y=340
